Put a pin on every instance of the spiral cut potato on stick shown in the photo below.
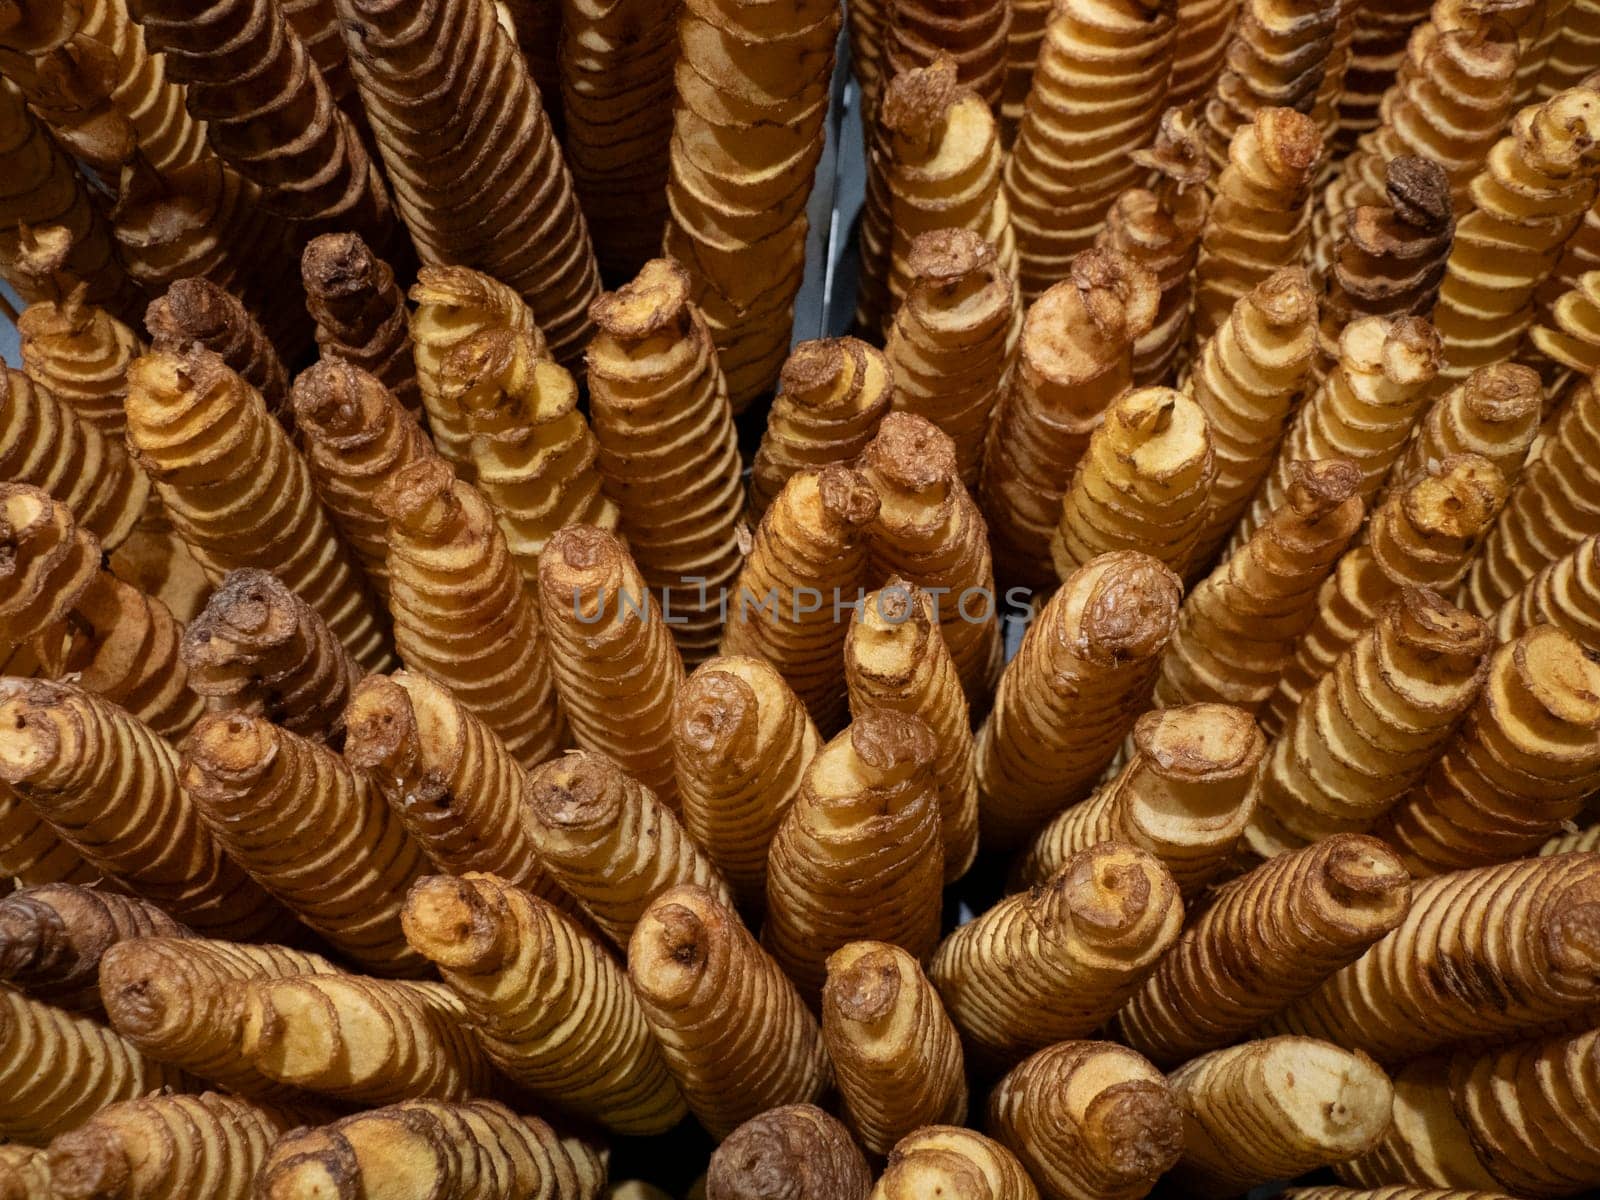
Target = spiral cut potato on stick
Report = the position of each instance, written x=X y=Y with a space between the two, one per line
x=972 y=32
x=166 y=1146
x=1238 y=628
x=43 y=191
x=78 y=621
x=950 y=344
x=315 y=835
x=1081 y=676
x=950 y=1161
x=895 y=659
x=1096 y=96
x=360 y=312
x=238 y=492
x=1519 y=768
x=615 y=664
x=1184 y=796
x=1534 y=187
x=1260 y=218
x=24 y=1172
x=668 y=451
x=1377 y=50
x=809 y=557
x=1363 y=411
x=1159 y=227
x=462 y=611
x=1553 y=507
x=797 y=1147
x=52 y=939
x=1247 y=377
x=1423 y=535
x=457 y=787
x=610 y=842
x=269 y=114
x=1142 y=485
x=1088 y=1119
x=1369 y=729
x=108 y=784
x=1056 y=961
x=178 y=1001
x=930 y=532
x=832 y=395
x=1567 y=330
x=1270 y=937
x=468 y=1150
x=895 y=1053
x=752 y=98
x=1523 y=924
x=741 y=742
x=478 y=177
x=735 y=1033
x=1274 y=1109
x=1494 y=413
x=1074 y=358
x=45 y=443
x=550 y=1008
x=1565 y=594
x=934 y=164
x=69 y=1067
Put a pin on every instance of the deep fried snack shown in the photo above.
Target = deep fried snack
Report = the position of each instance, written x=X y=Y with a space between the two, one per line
x=1074 y=359
x=178 y=1001
x=809 y=554
x=355 y=437
x=1426 y=1142
x=457 y=787
x=1494 y=412
x=832 y=394
x=1247 y=377
x=741 y=741
x=1184 y=795
x=1423 y=535
x=553 y=1011
x=1238 y=628
x=195 y=310
x=1565 y=594
x=1519 y=768
x=1274 y=1109
x=609 y=842
x=360 y=311
x=478 y=177
x=962 y=1164
x=972 y=32
x=1142 y=484
x=52 y=939
x=1268 y=938
x=752 y=99
x=109 y=786
x=668 y=451
x=167 y=1146
x=949 y=345
x=1090 y=1121
x=24 y=1172
x=1377 y=50
x=33 y=853
x=797 y=1147
x=930 y=532
x=1096 y=97
x=735 y=1033
x=1523 y=925
x=261 y=649
x=1260 y=219
x=1056 y=961
x=895 y=1053
x=79 y=352
x=1370 y=728
x=612 y=653
x=60 y=1069
x=895 y=658
x=45 y=443
x=314 y=834
x=471 y=1150
x=1083 y=673
x=238 y=492
x=462 y=611
x=857 y=856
